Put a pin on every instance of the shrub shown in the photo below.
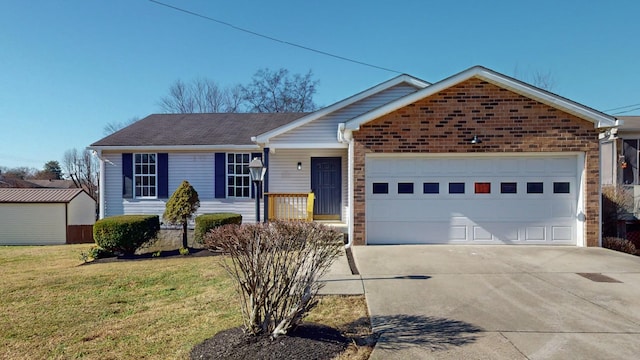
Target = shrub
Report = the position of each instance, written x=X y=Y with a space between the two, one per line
x=181 y=206
x=95 y=252
x=276 y=267
x=126 y=233
x=206 y=222
x=619 y=244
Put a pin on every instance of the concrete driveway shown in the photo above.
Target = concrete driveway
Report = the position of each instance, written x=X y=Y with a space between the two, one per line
x=501 y=302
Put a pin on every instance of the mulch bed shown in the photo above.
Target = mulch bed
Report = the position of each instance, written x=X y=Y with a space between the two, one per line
x=307 y=341
x=194 y=252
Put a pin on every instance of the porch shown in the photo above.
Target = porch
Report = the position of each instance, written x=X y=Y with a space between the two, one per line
x=297 y=207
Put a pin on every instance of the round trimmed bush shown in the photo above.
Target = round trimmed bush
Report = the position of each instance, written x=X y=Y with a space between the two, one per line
x=126 y=233
x=206 y=222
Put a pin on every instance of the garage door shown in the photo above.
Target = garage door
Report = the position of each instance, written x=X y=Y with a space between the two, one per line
x=505 y=200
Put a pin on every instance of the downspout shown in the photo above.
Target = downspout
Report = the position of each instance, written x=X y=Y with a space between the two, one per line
x=101 y=185
x=345 y=136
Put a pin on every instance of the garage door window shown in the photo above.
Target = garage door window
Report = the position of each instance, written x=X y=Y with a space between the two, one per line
x=561 y=188
x=535 y=188
x=456 y=188
x=405 y=188
x=509 y=188
x=431 y=188
x=380 y=188
x=482 y=188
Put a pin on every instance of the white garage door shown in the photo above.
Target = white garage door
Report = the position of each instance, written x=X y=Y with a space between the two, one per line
x=506 y=200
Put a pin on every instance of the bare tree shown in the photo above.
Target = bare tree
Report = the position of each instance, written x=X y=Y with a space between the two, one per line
x=179 y=100
x=82 y=167
x=112 y=127
x=543 y=80
x=20 y=173
x=269 y=91
x=277 y=91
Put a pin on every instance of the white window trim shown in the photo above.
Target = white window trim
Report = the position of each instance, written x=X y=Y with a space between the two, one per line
x=135 y=175
x=226 y=187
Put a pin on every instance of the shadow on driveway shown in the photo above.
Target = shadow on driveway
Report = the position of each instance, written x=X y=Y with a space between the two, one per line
x=400 y=331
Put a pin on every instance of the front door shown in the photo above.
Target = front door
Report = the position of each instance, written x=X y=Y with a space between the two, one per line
x=326 y=184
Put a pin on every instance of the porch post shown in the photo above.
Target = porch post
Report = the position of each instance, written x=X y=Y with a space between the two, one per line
x=265 y=184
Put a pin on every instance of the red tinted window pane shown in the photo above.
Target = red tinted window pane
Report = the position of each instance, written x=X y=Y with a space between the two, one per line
x=482 y=188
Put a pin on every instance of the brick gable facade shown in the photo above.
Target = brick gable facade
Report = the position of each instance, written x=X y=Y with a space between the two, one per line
x=506 y=122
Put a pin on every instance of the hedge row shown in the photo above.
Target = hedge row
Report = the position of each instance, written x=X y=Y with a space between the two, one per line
x=206 y=222
x=126 y=233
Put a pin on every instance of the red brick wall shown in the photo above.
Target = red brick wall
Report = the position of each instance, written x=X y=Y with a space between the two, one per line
x=503 y=120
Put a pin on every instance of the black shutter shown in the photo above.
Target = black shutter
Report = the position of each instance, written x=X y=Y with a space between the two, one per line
x=163 y=175
x=220 y=175
x=127 y=175
x=253 y=156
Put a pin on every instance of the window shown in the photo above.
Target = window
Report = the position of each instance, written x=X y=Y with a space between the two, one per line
x=535 y=188
x=380 y=188
x=508 y=188
x=456 y=188
x=561 y=188
x=482 y=187
x=144 y=173
x=405 y=188
x=431 y=188
x=238 y=178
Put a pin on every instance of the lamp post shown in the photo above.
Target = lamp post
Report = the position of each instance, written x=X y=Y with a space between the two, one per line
x=257 y=171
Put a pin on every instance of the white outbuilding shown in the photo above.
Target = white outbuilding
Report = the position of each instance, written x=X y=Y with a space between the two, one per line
x=46 y=216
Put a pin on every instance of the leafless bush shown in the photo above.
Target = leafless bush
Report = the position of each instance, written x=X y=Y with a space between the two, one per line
x=619 y=244
x=276 y=267
x=617 y=200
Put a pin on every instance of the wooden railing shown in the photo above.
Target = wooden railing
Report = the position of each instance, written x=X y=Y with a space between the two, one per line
x=290 y=206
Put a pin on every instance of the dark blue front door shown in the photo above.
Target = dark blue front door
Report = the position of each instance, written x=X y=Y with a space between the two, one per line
x=326 y=184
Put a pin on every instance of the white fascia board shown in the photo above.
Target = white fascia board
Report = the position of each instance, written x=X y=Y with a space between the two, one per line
x=599 y=119
x=335 y=145
x=265 y=137
x=175 y=148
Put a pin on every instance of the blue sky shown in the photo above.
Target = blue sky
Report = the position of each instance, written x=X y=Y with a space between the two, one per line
x=69 y=67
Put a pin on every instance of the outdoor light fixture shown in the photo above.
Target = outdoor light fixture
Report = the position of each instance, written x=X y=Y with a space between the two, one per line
x=475 y=140
x=299 y=165
x=257 y=171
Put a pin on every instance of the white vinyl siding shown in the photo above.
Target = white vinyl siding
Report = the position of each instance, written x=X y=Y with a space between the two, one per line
x=284 y=176
x=196 y=167
x=81 y=210
x=324 y=130
x=32 y=224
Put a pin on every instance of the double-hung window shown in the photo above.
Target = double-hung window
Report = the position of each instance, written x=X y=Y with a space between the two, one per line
x=145 y=175
x=238 y=178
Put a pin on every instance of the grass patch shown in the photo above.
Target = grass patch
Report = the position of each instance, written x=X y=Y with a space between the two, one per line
x=53 y=308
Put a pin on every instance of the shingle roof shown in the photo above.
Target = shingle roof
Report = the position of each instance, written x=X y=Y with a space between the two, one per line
x=54 y=184
x=197 y=129
x=38 y=195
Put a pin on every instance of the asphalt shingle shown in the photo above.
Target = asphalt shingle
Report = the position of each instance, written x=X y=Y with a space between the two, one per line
x=197 y=129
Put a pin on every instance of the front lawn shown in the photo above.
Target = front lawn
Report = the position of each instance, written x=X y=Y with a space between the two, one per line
x=53 y=307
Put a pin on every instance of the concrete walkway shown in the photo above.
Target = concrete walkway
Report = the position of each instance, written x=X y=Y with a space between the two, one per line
x=339 y=280
x=501 y=302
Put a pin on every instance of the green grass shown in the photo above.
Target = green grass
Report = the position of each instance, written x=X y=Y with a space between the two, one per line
x=54 y=307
